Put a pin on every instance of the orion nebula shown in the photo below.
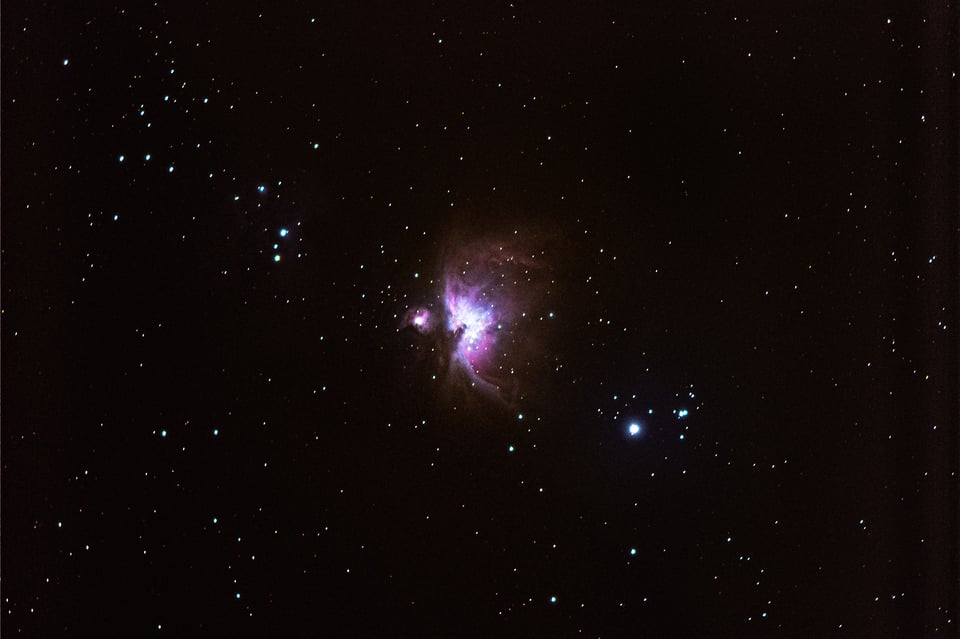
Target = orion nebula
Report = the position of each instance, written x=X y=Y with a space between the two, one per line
x=485 y=330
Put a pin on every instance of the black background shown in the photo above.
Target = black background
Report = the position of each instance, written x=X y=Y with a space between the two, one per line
x=749 y=211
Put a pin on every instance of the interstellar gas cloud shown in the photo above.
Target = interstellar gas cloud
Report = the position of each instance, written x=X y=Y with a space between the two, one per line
x=488 y=324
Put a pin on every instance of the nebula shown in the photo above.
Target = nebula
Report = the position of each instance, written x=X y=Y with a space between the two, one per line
x=419 y=318
x=484 y=331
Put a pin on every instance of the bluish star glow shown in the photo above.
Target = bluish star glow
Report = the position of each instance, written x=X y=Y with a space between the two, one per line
x=419 y=318
x=261 y=189
x=683 y=412
x=121 y=158
x=633 y=429
x=284 y=232
x=276 y=258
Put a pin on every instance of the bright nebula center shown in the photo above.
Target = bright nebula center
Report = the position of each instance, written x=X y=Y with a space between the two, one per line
x=473 y=326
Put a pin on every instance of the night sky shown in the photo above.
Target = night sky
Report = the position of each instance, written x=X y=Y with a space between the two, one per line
x=526 y=319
